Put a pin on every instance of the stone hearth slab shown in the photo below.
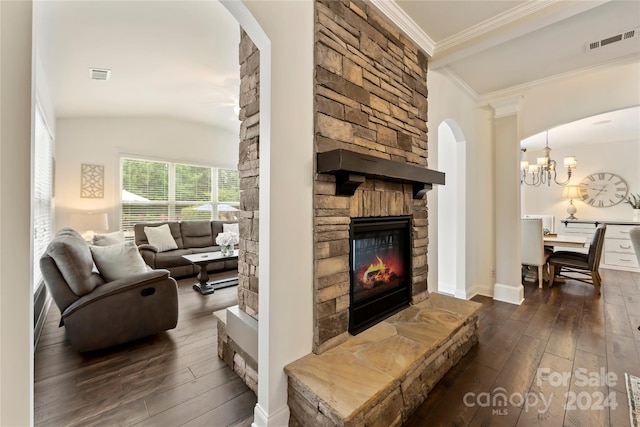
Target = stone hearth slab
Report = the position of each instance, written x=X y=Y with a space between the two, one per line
x=385 y=372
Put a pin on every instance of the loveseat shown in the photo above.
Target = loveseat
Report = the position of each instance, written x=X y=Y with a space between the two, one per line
x=191 y=237
x=106 y=295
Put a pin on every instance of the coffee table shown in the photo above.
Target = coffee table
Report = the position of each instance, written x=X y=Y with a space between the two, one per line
x=204 y=286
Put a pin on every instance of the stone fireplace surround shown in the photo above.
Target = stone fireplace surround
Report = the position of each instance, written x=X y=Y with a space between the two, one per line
x=371 y=99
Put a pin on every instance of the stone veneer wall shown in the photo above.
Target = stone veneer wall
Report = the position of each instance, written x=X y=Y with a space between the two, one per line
x=370 y=97
x=249 y=170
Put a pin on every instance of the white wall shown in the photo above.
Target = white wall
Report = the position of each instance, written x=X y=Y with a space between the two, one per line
x=101 y=141
x=16 y=308
x=606 y=157
x=448 y=101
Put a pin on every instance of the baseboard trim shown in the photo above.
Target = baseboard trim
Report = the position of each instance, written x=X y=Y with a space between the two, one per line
x=38 y=323
x=467 y=294
x=485 y=290
x=508 y=293
x=277 y=419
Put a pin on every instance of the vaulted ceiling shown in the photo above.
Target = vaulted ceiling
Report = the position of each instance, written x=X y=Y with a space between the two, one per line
x=179 y=58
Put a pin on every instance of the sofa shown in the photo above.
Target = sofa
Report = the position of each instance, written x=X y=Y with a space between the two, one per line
x=103 y=304
x=191 y=237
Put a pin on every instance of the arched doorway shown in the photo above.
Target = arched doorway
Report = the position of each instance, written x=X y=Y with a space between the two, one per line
x=451 y=253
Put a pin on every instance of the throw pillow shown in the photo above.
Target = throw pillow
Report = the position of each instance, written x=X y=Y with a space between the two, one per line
x=108 y=239
x=161 y=238
x=118 y=261
x=232 y=228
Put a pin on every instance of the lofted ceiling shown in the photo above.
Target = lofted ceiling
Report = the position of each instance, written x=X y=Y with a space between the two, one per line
x=179 y=58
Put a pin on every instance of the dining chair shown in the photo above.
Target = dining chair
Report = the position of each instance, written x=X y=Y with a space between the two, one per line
x=634 y=234
x=533 y=252
x=585 y=266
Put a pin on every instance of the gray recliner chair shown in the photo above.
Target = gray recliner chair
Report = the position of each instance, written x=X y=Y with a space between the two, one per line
x=96 y=314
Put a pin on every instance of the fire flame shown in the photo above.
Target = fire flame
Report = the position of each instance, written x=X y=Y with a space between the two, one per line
x=373 y=267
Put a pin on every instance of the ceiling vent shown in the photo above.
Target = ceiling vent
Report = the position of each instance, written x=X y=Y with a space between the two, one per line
x=613 y=39
x=99 y=73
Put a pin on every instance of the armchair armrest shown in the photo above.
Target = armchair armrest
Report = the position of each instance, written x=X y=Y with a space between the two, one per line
x=148 y=253
x=148 y=247
x=129 y=284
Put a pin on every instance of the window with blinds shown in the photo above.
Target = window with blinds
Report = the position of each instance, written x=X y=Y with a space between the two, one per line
x=159 y=191
x=42 y=194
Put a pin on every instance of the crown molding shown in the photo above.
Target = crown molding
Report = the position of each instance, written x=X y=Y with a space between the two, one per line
x=506 y=107
x=500 y=20
x=400 y=18
x=458 y=81
x=524 y=19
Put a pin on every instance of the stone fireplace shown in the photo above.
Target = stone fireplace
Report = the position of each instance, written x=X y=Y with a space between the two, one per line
x=381 y=342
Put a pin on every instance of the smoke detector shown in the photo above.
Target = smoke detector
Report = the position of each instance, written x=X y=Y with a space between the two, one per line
x=625 y=35
x=99 y=73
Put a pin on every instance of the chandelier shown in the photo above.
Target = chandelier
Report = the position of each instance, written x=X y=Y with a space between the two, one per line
x=544 y=171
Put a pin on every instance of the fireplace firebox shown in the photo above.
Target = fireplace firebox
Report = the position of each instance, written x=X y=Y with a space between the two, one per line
x=380 y=269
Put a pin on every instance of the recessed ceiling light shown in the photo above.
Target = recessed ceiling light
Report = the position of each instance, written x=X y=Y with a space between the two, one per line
x=601 y=122
x=99 y=73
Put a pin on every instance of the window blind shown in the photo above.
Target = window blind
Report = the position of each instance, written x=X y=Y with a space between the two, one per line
x=42 y=194
x=158 y=191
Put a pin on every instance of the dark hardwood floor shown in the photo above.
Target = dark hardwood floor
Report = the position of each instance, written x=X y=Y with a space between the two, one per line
x=172 y=379
x=525 y=349
x=176 y=378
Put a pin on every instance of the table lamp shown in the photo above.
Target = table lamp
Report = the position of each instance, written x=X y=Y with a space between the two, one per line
x=88 y=223
x=571 y=192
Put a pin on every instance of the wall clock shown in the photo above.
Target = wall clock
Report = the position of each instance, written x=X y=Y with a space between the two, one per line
x=603 y=189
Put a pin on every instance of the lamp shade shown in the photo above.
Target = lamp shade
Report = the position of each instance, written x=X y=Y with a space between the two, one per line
x=571 y=192
x=570 y=162
x=90 y=222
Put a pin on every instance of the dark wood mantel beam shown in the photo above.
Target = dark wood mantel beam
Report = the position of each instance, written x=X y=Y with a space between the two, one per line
x=351 y=169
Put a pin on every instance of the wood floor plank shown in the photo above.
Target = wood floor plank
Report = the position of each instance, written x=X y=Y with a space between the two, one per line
x=225 y=415
x=541 y=324
x=495 y=353
x=545 y=403
x=619 y=409
x=196 y=406
x=160 y=402
x=461 y=401
x=514 y=380
x=618 y=321
x=622 y=357
x=564 y=335
x=591 y=336
x=582 y=408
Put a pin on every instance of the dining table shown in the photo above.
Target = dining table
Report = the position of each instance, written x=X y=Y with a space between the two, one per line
x=564 y=240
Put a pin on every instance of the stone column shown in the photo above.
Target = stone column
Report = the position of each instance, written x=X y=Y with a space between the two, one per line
x=508 y=286
x=249 y=170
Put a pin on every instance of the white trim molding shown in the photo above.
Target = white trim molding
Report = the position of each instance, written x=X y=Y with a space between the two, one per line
x=398 y=16
x=508 y=293
x=276 y=419
x=507 y=106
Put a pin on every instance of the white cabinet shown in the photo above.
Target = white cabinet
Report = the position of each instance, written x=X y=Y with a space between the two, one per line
x=617 y=253
x=618 y=250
